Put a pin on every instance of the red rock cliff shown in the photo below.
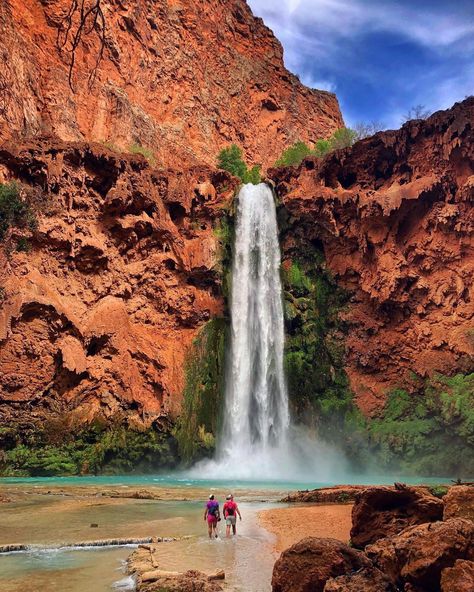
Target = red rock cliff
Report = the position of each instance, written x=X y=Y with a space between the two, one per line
x=122 y=270
x=394 y=215
x=183 y=78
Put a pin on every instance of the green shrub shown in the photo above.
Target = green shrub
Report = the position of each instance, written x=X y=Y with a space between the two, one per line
x=342 y=138
x=14 y=211
x=230 y=159
x=58 y=448
x=253 y=175
x=321 y=148
x=146 y=152
x=294 y=155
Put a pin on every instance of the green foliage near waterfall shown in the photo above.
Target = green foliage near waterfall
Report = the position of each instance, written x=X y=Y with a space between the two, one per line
x=424 y=429
x=59 y=447
x=428 y=431
x=230 y=159
x=203 y=393
x=314 y=350
x=294 y=155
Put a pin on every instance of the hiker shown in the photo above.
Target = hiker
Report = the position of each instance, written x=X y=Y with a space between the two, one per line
x=230 y=510
x=212 y=515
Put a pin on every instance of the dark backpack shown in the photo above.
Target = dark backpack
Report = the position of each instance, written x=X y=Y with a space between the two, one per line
x=214 y=509
x=230 y=509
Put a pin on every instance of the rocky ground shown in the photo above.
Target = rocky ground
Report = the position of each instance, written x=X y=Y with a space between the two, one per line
x=402 y=539
x=150 y=578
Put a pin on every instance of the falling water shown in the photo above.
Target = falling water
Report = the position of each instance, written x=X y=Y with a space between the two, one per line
x=257 y=441
x=256 y=402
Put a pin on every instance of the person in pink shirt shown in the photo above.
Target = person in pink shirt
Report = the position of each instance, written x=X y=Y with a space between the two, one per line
x=231 y=510
x=212 y=516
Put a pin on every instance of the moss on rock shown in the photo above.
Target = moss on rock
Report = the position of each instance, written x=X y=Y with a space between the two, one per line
x=203 y=394
x=58 y=448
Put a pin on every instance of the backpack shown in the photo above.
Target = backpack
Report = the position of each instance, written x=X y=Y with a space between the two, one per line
x=214 y=509
x=230 y=509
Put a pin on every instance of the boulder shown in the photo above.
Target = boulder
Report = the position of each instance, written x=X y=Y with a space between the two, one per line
x=368 y=579
x=307 y=565
x=384 y=511
x=459 y=502
x=459 y=578
x=416 y=557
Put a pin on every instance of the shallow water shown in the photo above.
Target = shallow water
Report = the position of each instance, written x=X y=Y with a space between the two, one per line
x=62 y=571
x=55 y=520
x=64 y=516
x=184 y=481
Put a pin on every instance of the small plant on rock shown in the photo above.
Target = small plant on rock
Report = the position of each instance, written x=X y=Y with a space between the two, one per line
x=14 y=211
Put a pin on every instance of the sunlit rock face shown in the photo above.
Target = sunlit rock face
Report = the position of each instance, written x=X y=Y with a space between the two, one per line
x=394 y=216
x=118 y=277
x=183 y=78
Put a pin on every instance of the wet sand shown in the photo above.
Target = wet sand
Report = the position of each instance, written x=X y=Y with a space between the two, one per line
x=289 y=525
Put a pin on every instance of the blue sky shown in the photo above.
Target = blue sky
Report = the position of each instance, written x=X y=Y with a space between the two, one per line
x=380 y=57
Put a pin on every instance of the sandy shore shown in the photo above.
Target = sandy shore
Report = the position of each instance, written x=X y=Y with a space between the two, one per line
x=290 y=525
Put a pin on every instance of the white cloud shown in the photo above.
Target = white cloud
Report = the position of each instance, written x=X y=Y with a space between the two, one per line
x=438 y=26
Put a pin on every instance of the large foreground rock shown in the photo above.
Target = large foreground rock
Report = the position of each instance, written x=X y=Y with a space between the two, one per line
x=369 y=579
x=383 y=511
x=308 y=565
x=459 y=502
x=459 y=578
x=417 y=556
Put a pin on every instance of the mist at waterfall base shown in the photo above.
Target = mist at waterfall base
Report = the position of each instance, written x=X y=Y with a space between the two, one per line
x=258 y=440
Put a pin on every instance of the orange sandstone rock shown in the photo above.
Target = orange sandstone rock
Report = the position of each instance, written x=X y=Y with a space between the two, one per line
x=182 y=78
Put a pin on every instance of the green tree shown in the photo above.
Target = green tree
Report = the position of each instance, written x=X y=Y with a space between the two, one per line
x=230 y=159
x=342 y=138
x=294 y=155
x=321 y=148
x=14 y=211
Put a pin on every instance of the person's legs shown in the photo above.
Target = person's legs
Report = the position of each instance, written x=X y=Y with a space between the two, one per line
x=227 y=527
x=215 y=528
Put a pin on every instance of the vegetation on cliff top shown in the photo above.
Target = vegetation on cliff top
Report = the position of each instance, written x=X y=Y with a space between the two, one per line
x=294 y=155
x=230 y=159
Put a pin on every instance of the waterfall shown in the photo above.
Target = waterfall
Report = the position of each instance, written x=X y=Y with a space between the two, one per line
x=255 y=442
x=256 y=417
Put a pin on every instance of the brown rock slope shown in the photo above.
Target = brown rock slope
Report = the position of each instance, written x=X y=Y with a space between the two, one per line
x=395 y=218
x=97 y=316
x=184 y=78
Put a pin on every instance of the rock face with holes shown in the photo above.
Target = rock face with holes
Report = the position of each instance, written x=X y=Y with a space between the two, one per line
x=394 y=216
x=122 y=272
x=183 y=78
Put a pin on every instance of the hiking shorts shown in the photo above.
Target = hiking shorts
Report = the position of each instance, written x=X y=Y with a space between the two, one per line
x=230 y=520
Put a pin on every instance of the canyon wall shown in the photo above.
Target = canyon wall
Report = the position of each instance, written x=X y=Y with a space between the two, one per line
x=394 y=217
x=179 y=79
x=121 y=270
